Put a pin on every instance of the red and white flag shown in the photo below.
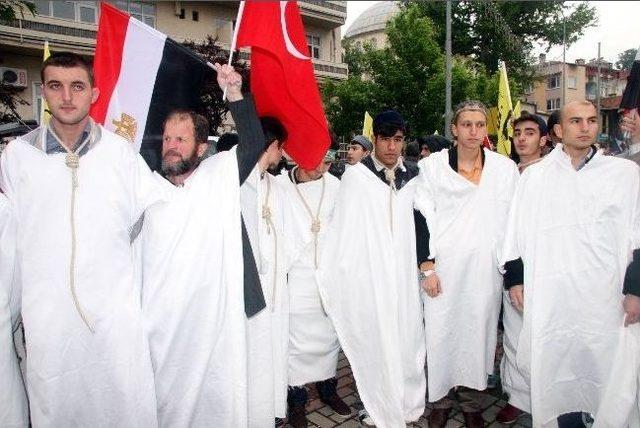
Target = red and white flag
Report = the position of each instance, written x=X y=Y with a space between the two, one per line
x=142 y=75
x=282 y=79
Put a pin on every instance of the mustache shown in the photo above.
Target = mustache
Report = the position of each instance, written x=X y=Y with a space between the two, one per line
x=172 y=152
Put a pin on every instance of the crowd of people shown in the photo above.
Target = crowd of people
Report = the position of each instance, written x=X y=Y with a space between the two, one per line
x=215 y=291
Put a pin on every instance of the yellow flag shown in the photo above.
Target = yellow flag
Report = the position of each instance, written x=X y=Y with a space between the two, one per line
x=367 y=126
x=505 y=113
x=517 y=111
x=44 y=113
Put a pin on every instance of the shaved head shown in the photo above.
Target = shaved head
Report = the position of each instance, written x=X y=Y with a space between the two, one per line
x=572 y=105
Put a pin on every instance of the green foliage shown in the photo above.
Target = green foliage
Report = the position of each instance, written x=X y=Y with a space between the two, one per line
x=407 y=75
x=212 y=106
x=492 y=30
x=8 y=9
x=626 y=58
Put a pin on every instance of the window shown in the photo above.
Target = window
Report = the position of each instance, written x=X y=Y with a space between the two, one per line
x=571 y=82
x=313 y=42
x=142 y=11
x=79 y=11
x=553 y=82
x=37 y=100
x=528 y=89
x=194 y=15
x=553 y=104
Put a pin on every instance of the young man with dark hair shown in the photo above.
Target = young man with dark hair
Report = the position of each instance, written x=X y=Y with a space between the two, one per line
x=572 y=265
x=529 y=139
x=77 y=189
x=432 y=144
x=369 y=283
x=309 y=195
x=464 y=194
x=263 y=208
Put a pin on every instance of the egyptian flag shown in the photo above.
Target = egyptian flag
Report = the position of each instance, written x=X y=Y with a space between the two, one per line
x=282 y=79
x=142 y=75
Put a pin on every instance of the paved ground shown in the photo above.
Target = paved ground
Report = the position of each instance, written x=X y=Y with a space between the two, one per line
x=322 y=416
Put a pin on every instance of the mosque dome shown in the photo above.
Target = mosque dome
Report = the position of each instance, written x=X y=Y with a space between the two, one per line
x=373 y=19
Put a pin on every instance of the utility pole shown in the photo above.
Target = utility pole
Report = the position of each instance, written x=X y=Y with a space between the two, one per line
x=564 y=60
x=447 y=90
x=598 y=86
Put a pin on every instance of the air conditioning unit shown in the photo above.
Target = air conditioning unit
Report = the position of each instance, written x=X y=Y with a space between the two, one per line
x=16 y=77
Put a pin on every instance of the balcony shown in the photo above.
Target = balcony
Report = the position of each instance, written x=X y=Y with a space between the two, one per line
x=32 y=33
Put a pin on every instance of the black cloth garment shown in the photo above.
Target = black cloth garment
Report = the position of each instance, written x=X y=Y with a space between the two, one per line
x=402 y=178
x=514 y=273
x=250 y=147
x=632 y=276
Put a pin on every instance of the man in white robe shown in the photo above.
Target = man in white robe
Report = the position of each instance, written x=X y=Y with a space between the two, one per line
x=573 y=237
x=529 y=138
x=14 y=410
x=369 y=280
x=313 y=343
x=464 y=194
x=264 y=209
x=77 y=189
x=194 y=272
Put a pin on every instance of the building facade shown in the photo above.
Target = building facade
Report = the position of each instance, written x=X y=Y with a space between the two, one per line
x=581 y=83
x=72 y=26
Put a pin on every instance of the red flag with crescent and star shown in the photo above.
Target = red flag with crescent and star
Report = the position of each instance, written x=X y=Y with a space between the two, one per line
x=282 y=79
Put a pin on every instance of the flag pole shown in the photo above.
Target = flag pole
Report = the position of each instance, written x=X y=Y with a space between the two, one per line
x=234 y=41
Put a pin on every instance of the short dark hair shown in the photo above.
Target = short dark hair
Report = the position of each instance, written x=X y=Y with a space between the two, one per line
x=434 y=143
x=387 y=123
x=553 y=120
x=226 y=142
x=200 y=123
x=529 y=117
x=273 y=130
x=66 y=60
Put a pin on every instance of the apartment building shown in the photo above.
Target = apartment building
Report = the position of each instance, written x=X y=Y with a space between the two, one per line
x=72 y=26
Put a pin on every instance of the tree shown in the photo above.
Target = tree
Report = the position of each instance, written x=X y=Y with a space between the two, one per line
x=408 y=75
x=492 y=30
x=9 y=95
x=213 y=108
x=626 y=58
x=8 y=9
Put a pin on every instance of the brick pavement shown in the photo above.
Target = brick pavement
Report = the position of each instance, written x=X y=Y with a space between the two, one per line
x=322 y=416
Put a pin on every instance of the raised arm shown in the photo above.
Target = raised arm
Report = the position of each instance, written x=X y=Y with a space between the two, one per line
x=243 y=111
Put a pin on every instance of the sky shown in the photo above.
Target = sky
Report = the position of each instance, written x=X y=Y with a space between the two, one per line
x=618 y=29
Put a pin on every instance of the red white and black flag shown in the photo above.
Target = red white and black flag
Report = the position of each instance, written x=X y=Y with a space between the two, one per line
x=142 y=75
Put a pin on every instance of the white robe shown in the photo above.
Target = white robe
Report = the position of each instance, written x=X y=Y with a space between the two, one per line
x=313 y=343
x=369 y=285
x=268 y=335
x=193 y=299
x=575 y=231
x=466 y=224
x=76 y=377
x=14 y=409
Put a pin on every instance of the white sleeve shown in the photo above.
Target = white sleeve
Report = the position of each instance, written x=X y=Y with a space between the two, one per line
x=146 y=189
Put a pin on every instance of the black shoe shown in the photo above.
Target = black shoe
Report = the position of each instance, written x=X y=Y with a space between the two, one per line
x=336 y=403
x=297 y=417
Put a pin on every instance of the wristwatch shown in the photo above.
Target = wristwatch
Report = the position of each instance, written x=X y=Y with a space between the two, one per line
x=424 y=274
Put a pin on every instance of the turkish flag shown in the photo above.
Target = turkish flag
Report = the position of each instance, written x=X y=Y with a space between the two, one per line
x=282 y=79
